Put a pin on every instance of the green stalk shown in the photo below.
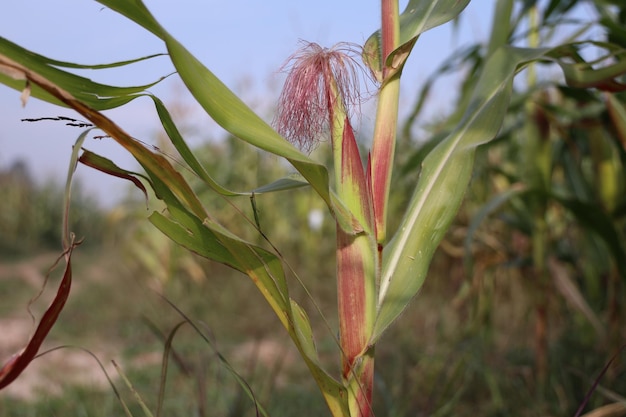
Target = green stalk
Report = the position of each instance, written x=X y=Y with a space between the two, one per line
x=539 y=162
x=358 y=256
x=383 y=147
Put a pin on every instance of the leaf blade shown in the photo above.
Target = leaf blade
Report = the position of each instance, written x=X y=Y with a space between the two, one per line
x=445 y=174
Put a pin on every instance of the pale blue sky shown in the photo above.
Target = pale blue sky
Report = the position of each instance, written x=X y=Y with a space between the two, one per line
x=238 y=40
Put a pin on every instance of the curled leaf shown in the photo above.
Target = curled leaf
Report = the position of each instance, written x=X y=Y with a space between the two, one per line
x=108 y=167
x=25 y=94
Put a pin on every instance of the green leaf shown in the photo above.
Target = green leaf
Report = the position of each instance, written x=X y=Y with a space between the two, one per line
x=190 y=237
x=444 y=177
x=287 y=183
x=142 y=404
x=447 y=169
x=418 y=17
x=230 y=112
x=210 y=240
x=260 y=410
x=304 y=331
x=598 y=222
x=67 y=197
x=334 y=392
x=617 y=111
x=186 y=152
x=582 y=74
x=96 y=95
x=136 y=11
x=487 y=209
x=238 y=119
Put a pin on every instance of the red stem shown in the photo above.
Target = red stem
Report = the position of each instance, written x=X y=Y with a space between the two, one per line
x=389 y=30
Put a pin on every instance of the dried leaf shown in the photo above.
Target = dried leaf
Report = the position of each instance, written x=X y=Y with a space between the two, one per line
x=16 y=365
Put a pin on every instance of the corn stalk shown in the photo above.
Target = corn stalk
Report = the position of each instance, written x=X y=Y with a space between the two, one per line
x=379 y=271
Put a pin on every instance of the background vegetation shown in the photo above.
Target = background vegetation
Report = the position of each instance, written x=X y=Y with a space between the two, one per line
x=32 y=212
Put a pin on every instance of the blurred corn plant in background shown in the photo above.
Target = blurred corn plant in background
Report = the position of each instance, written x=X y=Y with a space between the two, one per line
x=552 y=186
x=380 y=266
x=32 y=212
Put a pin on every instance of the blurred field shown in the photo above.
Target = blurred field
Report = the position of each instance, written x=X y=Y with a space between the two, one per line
x=464 y=348
x=523 y=311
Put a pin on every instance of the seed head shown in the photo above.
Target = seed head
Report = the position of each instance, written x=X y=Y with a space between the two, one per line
x=308 y=97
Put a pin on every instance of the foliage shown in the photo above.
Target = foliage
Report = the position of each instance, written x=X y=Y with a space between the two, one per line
x=32 y=214
x=550 y=186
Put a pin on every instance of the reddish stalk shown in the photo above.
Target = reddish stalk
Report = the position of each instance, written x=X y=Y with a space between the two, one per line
x=321 y=86
x=383 y=148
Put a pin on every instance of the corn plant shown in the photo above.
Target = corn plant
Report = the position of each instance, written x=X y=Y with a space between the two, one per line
x=546 y=144
x=379 y=270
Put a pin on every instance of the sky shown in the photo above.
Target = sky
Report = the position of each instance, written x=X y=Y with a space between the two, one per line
x=244 y=42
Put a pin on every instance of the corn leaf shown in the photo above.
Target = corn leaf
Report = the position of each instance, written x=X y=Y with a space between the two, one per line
x=617 y=111
x=18 y=363
x=209 y=240
x=191 y=226
x=447 y=170
x=418 y=17
x=287 y=183
x=599 y=223
x=230 y=112
x=184 y=150
x=107 y=166
x=96 y=95
x=444 y=177
x=582 y=74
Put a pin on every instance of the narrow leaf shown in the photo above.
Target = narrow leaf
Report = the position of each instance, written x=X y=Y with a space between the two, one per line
x=599 y=223
x=574 y=297
x=107 y=166
x=209 y=240
x=16 y=365
x=445 y=174
x=418 y=17
x=184 y=150
x=240 y=380
x=304 y=332
x=287 y=183
x=67 y=236
x=201 y=243
x=582 y=74
x=97 y=95
x=238 y=119
x=617 y=111
x=132 y=389
x=230 y=112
